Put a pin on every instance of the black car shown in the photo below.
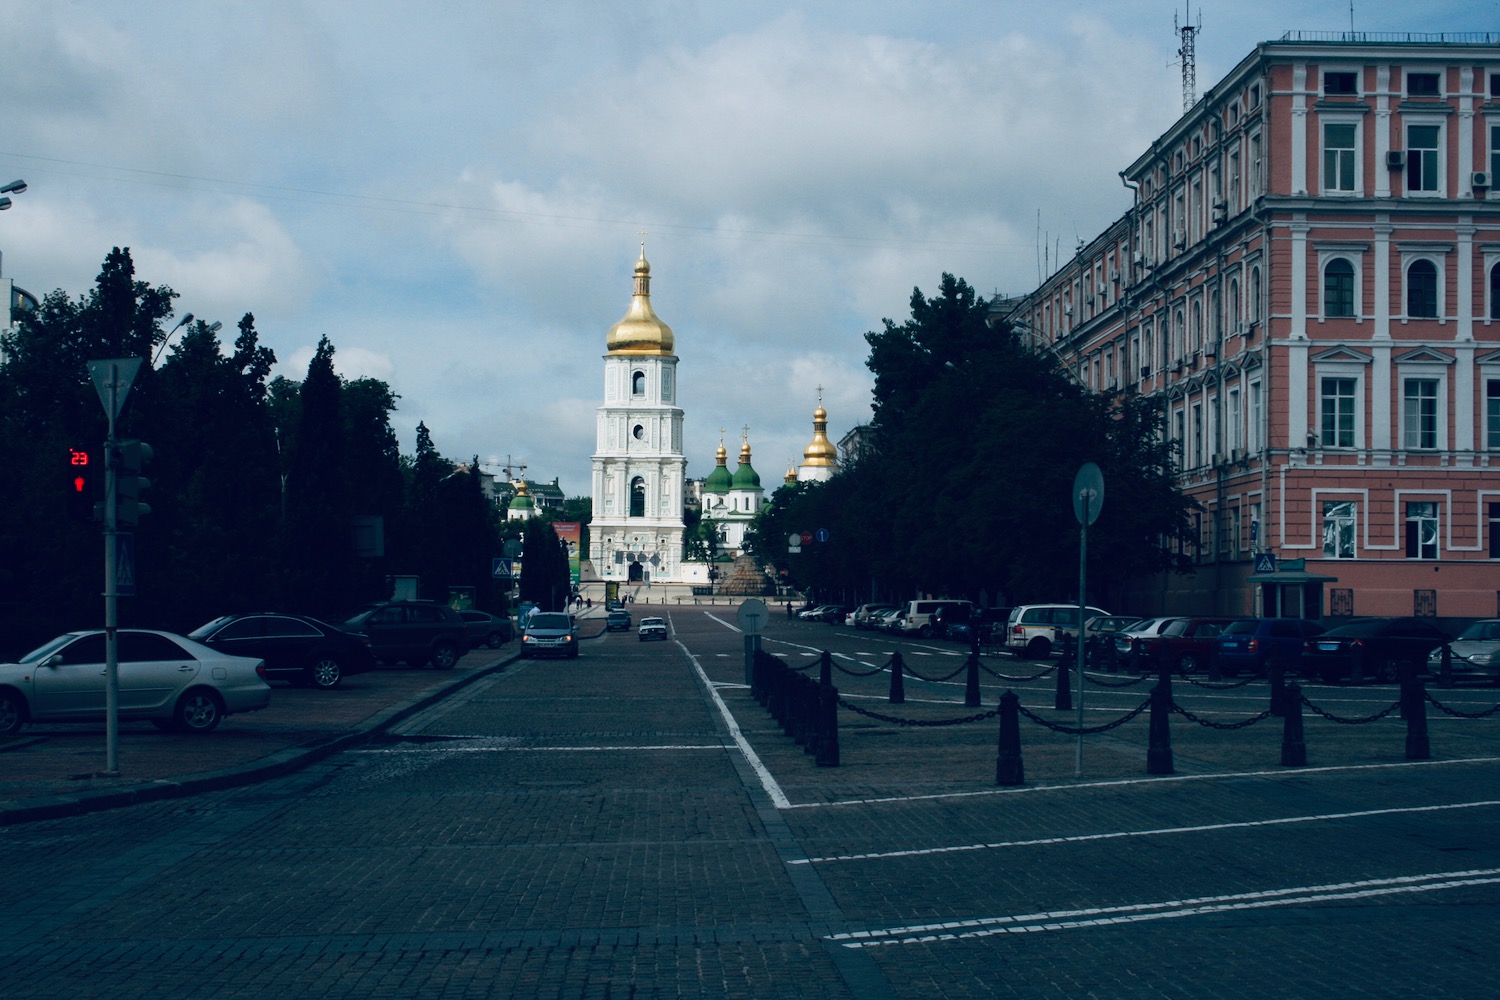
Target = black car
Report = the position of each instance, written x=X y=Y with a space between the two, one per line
x=418 y=632
x=295 y=648
x=617 y=621
x=486 y=629
x=1380 y=645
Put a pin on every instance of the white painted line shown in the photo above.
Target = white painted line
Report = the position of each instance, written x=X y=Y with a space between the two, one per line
x=440 y=748
x=1289 y=772
x=1163 y=831
x=1058 y=920
x=778 y=797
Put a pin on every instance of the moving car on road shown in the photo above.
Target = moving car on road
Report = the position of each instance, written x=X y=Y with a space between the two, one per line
x=550 y=633
x=296 y=648
x=653 y=628
x=171 y=680
x=617 y=621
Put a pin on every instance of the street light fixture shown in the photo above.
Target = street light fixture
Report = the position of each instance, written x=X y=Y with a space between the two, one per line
x=213 y=327
x=14 y=187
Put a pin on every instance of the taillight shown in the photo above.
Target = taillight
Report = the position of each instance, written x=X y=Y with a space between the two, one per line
x=1253 y=645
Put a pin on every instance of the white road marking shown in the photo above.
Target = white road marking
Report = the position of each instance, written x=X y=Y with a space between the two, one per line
x=1058 y=920
x=1163 y=831
x=521 y=748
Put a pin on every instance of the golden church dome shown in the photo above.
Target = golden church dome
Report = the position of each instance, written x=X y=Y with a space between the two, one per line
x=820 y=452
x=641 y=331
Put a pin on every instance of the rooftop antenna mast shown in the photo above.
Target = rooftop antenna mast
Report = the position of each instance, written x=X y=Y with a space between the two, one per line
x=1188 y=32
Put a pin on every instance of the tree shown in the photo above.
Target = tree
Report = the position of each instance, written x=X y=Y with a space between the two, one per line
x=545 y=580
x=316 y=554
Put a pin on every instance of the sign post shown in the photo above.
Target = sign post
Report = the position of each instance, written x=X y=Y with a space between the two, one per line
x=752 y=617
x=1088 y=497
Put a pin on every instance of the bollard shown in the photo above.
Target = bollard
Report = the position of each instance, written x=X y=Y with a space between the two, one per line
x=1159 y=752
x=971 y=689
x=1445 y=674
x=1008 y=769
x=1277 y=674
x=1293 y=749
x=898 y=683
x=1414 y=710
x=1213 y=663
x=1064 y=700
x=825 y=669
x=827 y=737
x=1357 y=667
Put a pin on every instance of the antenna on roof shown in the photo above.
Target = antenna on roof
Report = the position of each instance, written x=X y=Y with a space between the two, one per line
x=1188 y=33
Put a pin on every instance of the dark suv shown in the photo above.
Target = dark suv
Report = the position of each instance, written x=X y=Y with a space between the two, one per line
x=415 y=631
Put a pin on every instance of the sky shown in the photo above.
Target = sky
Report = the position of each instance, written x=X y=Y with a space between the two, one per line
x=454 y=192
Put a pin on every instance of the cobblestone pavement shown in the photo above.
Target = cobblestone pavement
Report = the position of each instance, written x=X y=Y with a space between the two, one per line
x=632 y=823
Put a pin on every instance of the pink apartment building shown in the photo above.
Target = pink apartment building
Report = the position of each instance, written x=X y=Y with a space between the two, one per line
x=1308 y=281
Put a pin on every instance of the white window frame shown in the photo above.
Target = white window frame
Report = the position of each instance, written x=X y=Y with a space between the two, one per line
x=1439 y=381
x=1342 y=514
x=1326 y=257
x=1490 y=410
x=1356 y=404
x=1409 y=258
x=1334 y=189
x=1440 y=159
x=1254 y=413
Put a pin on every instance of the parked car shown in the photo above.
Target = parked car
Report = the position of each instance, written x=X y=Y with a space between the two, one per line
x=550 y=633
x=951 y=621
x=864 y=615
x=1034 y=629
x=1249 y=645
x=1381 y=645
x=171 y=680
x=990 y=624
x=486 y=629
x=1099 y=632
x=652 y=628
x=889 y=621
x=834 y=614
x=1127 y=641
x=917 y=617
x=295 y=648
x=418 y=632
x=1186 y=645
x=617 y=621
x=1476 y=652
x=814 y=613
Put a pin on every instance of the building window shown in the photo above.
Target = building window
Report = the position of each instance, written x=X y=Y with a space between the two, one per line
x=1340 y=84
x=1494 y=152
x=1495 y=530
x=1338 y=288
x=1255 y=295
x=1339 y=156
x=1253 y=416
x=1422 y=85
x=1421 y=530
x=1420 y=414
x=1423 y=166
x=1421 y=290
x=637 y=497
x=638 y=383
x=1232 y=429
x=1492 y=414
x=1338 y=529
x=1338 y=402
x=1495 y=292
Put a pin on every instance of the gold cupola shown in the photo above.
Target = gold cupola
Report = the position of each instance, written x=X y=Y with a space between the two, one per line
x=820 y=452
x=641 y=331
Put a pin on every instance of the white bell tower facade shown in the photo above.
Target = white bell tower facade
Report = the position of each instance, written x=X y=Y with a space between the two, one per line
x=636 y=533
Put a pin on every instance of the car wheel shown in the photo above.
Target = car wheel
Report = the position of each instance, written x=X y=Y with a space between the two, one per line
x=1328 y=675
x=444 y=656
x=494 y=640
x=925 y=631
x=1038 y=649
x=325 y=673
x=12 y=713
x=1388 y=672
x=573 y=652
x=198 y=711
x=1187 y=663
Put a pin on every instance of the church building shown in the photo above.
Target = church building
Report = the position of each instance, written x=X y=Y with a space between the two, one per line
x=732 y=501
x=636 y=534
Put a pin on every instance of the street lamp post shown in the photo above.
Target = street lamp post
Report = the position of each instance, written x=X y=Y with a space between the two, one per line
x=14 y=187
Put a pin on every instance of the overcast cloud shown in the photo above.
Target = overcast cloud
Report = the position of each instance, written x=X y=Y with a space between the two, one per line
x=452 y=192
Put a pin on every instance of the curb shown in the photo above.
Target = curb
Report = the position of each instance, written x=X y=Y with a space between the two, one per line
x=275 y=765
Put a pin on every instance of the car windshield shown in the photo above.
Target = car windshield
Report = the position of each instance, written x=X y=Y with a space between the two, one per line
x=549 y=620
x=47 y=649
x=1482 y=632
x=1241 y=628
x=648 y=622
x=206 y=630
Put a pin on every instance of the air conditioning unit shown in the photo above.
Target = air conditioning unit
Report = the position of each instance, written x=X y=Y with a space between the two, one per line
x=1237 y=455
x=1179 y=239
x=1210 y=350
x=1479 y=179
x=1145 y=371
x=1112 y=384
x=1114 y=274
x=1218 y=459
x=1395 y=159
x=1140 y=260
x=1221 y=211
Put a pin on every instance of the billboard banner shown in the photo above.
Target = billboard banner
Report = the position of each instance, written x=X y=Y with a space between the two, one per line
x=571 y=532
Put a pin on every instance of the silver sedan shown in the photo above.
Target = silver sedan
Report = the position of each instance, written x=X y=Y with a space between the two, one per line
x=165 y=678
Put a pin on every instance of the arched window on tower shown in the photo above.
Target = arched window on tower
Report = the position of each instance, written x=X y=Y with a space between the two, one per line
x=638 y=383
x=1495 y=292
x=637 y=497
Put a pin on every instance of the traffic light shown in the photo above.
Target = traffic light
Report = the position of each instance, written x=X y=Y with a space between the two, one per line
x=130 y=458
x=83 y=481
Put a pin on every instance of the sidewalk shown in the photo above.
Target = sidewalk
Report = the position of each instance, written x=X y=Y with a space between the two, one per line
x=53 y=770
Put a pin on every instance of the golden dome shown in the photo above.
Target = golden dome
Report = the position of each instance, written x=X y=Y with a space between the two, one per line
x=641 y=331
x=820 y=452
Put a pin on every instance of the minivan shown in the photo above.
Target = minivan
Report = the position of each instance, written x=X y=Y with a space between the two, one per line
x=1033 y=629
x=916 y=616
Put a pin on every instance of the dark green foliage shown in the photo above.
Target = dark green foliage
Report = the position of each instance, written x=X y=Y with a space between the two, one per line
x=968 y=492
x=545 y=580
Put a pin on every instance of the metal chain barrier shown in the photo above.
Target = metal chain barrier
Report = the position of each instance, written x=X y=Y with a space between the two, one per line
x=1351 y=722
x=1242 y=724
x=897 y=721
x=1087 y=730
x=862 y=673
x=1216 y=687
x=934 y=680
x=1132 y=682
x=1017 y=680
x=1456 y=713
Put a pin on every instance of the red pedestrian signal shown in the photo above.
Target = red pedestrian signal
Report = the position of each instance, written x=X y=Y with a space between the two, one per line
x=82 y=483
